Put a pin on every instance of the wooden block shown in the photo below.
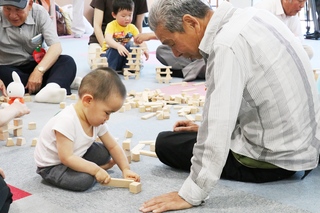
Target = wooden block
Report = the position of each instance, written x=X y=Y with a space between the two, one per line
x=142 y=108
x=17 y=122
x=150 y=115
x=62 y=105
x=73 y=96
x=147 y=142
x=135 y=152
x=148 y=153
x=128 y=134
x=153 y=147
x=4 y=128
x=32 y=125
x=20 y=141
x=10 y=142
x=17 y=132
x=27 y=98
x=122 y=109
x=126 y=144
x=135 y=187
x=198 y=117
x=119 y=182
x=4 y=136
x=34 y=142
x=190 y=117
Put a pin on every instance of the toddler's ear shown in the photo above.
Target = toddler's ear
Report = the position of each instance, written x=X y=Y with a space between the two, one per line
x=86 y=99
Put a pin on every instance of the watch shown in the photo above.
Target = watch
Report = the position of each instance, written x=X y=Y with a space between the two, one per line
x=41 y=69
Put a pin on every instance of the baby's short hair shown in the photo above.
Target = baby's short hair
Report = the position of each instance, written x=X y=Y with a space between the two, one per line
x=101 y=83
x=118 y=5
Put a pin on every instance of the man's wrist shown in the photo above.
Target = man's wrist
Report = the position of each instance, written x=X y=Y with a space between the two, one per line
x=41 y=69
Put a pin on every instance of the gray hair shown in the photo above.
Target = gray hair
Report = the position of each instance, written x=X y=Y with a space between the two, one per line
x=169 y=13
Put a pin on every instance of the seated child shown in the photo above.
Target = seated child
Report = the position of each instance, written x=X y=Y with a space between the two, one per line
x=118 y=35
x=66 y=154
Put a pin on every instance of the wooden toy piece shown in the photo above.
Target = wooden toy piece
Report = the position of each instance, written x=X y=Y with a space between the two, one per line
x=188 y=90
x=198 y=117
x=20 y=141
x=17 y=122
x=10 y=142
x=198 y=84
x=3 y=99
x=4 y=134
x=126 y=144
x=147 y=142
x=150 y=115
x=135 y=187
x=17 y=132
x=190 y=118
x=32 y=125
x=163 y=76
x=62 y=105
x=135 y=152
x=27 y=98
x=148 y=153
x=119 y=182
x=128 y=134
x=73 y=96
x=34 y=142
x=153 y=147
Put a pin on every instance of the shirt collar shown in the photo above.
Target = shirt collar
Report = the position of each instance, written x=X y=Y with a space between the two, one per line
x=216 y=22
x=279 y=9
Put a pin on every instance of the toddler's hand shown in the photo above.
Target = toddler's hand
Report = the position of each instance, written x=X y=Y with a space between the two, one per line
x=128 y=174
x=102 y=176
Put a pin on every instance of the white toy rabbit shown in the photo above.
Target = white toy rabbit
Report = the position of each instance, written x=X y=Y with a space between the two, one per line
x=15 y=89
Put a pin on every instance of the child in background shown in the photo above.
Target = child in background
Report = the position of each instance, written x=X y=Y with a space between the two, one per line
x=66 y=154
x=16 y=109
x=119 y=33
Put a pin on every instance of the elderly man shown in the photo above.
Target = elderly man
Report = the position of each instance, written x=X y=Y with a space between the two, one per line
x=287 y=11
x=24 y=26
x=261 y=113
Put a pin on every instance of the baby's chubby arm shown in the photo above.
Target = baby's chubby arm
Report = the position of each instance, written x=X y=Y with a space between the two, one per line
x=65 y=152
x=119 y=157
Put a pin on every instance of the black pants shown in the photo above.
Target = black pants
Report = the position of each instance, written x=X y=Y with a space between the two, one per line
x=62 y=72
x=5 y=196
x=175 y=150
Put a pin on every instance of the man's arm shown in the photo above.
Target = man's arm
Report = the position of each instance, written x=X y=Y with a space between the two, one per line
x=36 y=77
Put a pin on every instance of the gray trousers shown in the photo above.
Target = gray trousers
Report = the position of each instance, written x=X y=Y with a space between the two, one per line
x=66 y=178
x=191 y=69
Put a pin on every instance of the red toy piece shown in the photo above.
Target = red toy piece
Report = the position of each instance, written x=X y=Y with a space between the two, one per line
x=38 y=54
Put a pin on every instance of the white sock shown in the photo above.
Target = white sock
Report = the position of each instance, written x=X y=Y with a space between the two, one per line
x=76 y=83
x=51 y=93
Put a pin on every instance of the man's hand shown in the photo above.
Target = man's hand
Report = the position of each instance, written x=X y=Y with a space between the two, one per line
x=3 y=88
x=34 y=81
x=187 y=126
x=166 y=202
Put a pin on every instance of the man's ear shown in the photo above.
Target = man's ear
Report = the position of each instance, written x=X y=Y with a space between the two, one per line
x=190 y=22
x=86 y=99
x=30 y=3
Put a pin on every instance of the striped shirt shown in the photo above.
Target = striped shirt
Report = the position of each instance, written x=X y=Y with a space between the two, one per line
x=261 y=99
